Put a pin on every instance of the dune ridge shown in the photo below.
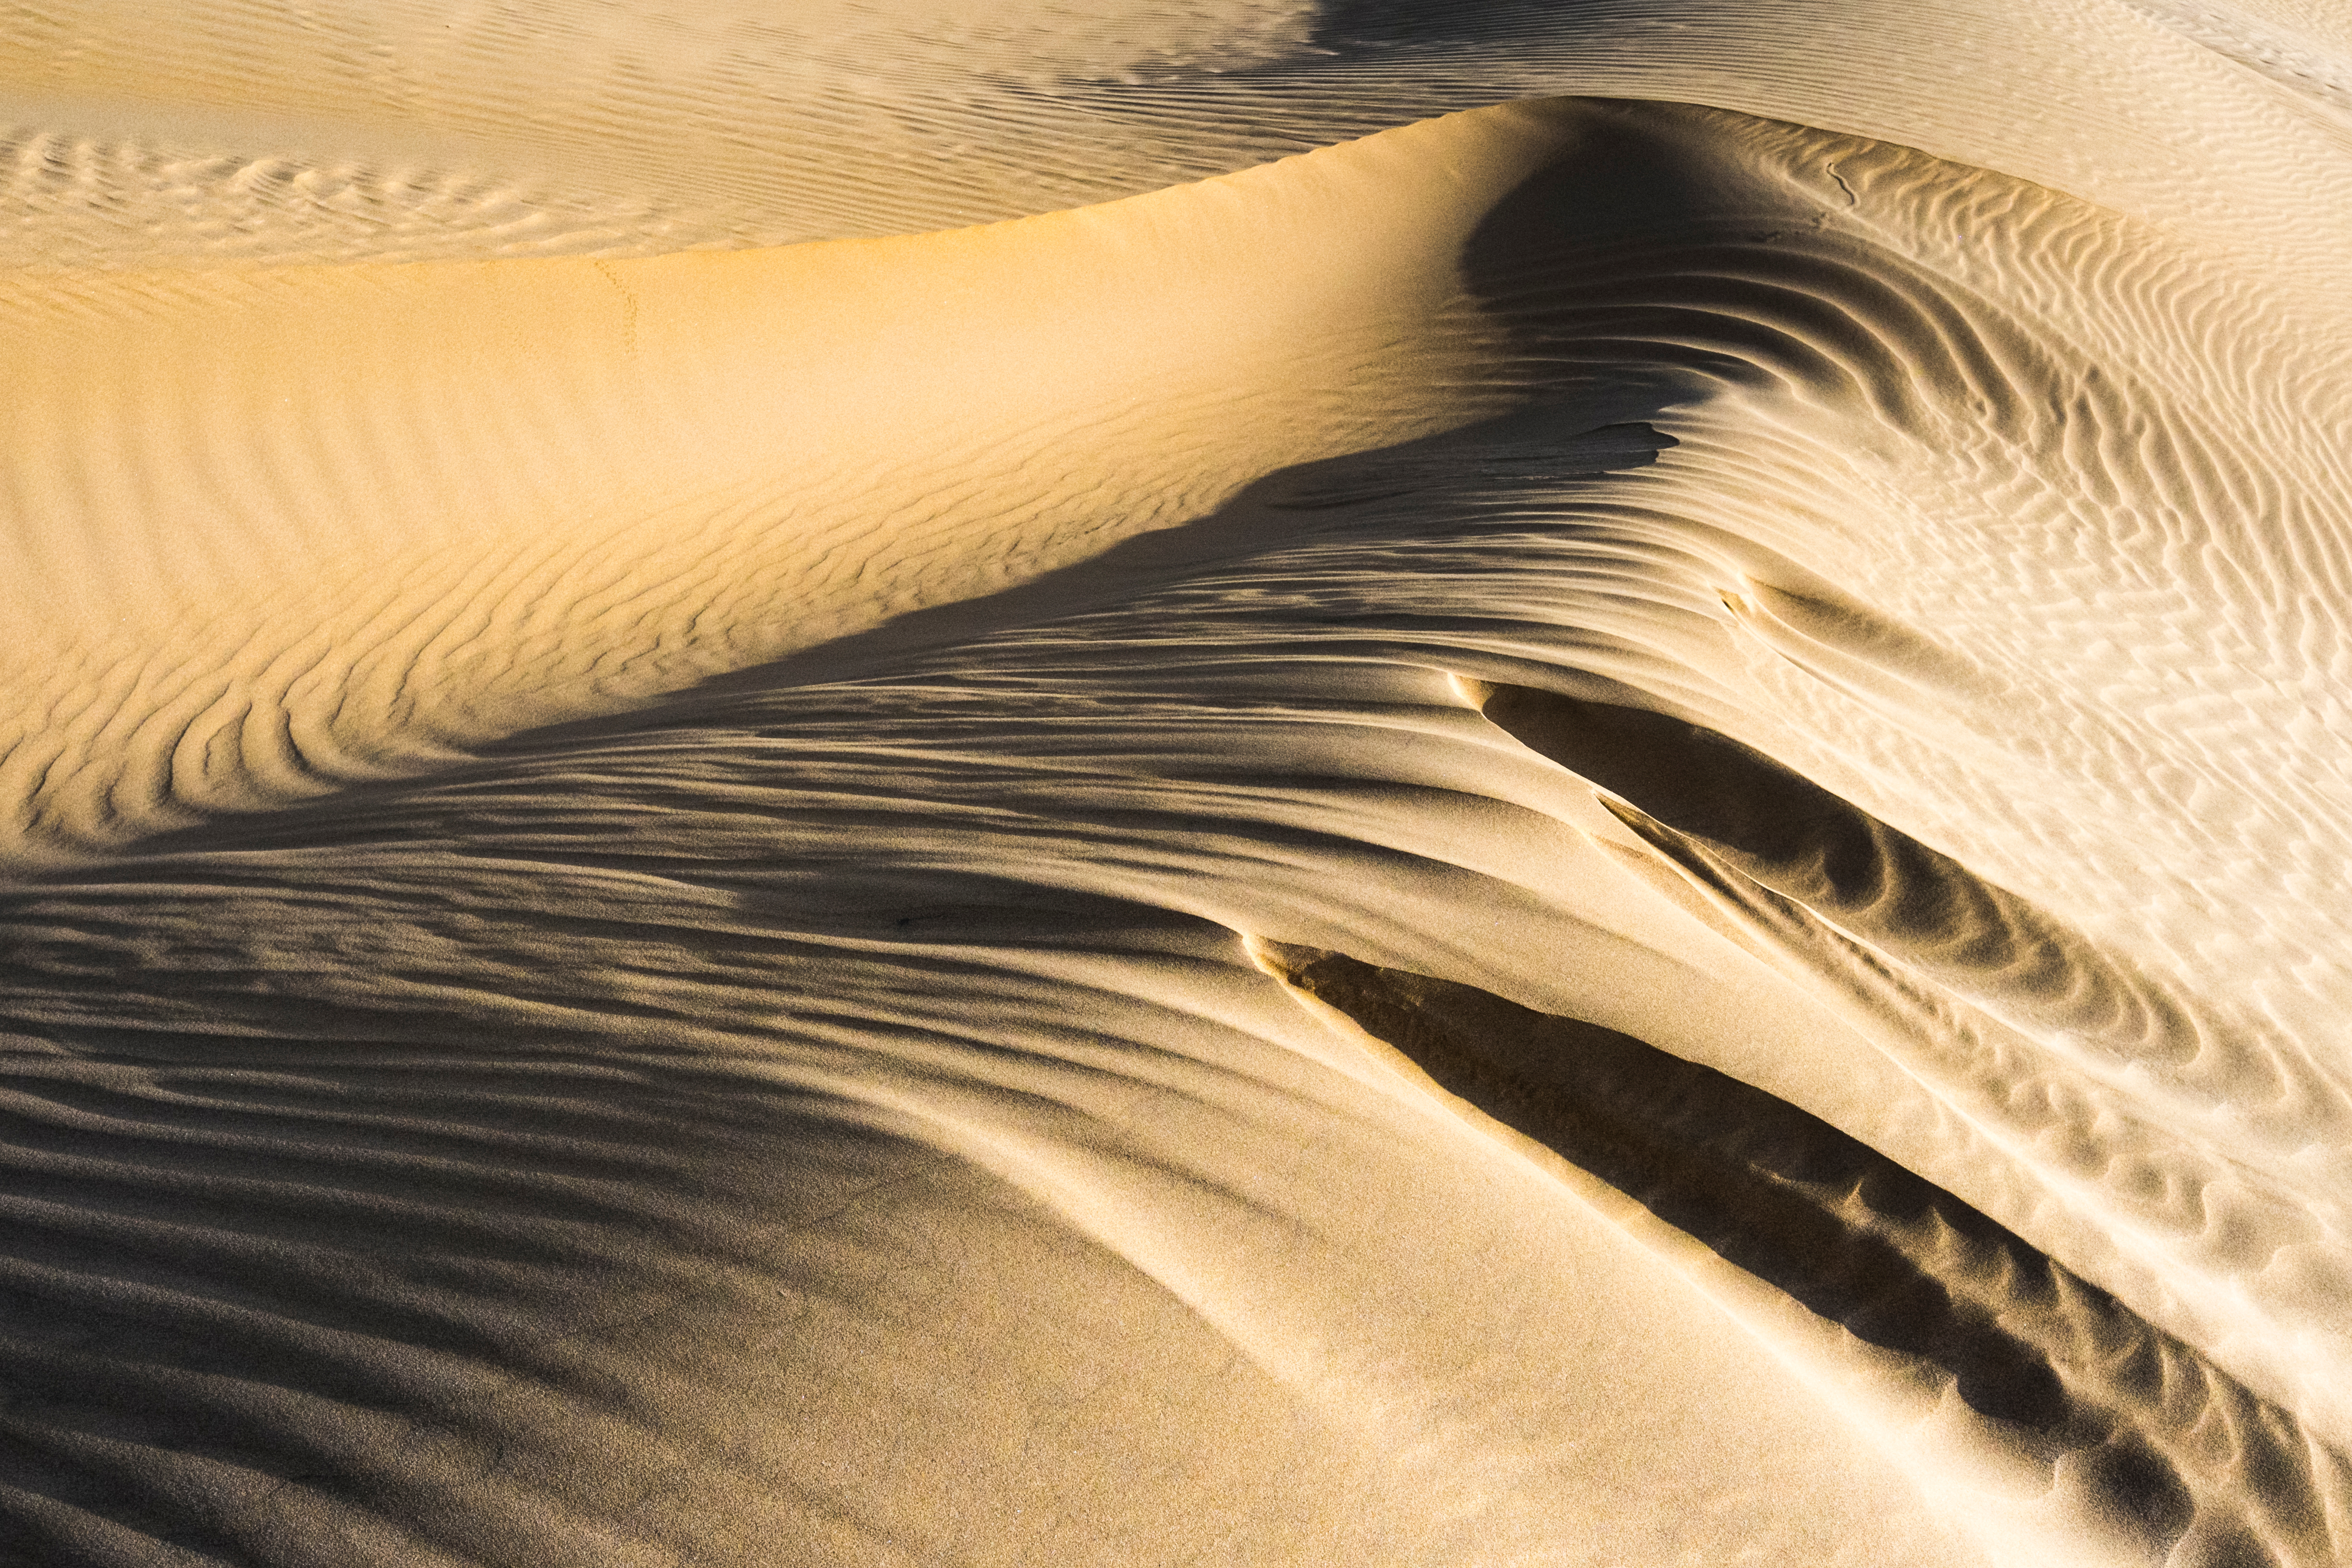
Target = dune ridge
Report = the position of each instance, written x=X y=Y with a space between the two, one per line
x=551 y=488
x=659 y=883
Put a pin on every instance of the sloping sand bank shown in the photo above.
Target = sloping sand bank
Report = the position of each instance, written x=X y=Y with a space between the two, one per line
x=1608 y=829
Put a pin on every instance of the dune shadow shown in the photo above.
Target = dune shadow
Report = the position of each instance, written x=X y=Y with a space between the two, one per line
x=2073 y=1378
x=1788 y=834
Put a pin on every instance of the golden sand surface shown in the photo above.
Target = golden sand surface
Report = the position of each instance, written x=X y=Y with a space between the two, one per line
x=1186 y=782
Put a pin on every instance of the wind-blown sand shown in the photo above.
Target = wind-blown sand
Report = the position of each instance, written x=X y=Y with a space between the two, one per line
x=1199 y=785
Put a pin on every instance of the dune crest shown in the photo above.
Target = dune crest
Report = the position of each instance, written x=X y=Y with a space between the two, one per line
x=1605 y=824
x=273 y=530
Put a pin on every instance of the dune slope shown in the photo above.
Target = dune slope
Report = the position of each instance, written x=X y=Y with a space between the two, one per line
x=1602 y=825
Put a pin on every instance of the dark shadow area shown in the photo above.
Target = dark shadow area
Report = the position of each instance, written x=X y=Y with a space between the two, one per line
x=1672 y=238
x=1736 y=1168
x=280 y=1306
x=1381 y=25
x=2083 y=1382
x=401 y=1203
x=1788 y=834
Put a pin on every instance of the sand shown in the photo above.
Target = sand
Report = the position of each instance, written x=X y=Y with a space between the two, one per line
x=1176 y=785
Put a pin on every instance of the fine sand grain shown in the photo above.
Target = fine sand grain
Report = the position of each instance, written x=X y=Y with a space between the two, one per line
x=1178 y=783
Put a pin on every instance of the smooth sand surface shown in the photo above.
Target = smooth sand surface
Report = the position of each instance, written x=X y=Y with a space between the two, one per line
x=1176 y=784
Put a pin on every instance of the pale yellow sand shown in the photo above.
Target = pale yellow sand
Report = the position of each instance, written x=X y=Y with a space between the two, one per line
x=1591 y=832
x=270 y=530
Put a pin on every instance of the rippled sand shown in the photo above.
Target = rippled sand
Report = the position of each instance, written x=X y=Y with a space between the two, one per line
x=1177 y=783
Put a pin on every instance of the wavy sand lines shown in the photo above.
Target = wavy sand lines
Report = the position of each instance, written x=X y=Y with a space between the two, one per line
x=626 y=867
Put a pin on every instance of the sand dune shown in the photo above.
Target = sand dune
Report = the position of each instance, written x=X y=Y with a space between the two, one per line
x=2113 y=1419
x=1196 y=784
x=375 y=512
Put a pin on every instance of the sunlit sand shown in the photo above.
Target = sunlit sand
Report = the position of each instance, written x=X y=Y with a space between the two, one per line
x=1214 y=783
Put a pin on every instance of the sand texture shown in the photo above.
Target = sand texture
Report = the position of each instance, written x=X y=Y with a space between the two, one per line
x=1173 y=783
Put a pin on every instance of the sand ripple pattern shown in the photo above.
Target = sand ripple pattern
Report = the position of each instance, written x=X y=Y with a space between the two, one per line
x=1204 y=880
x=2120 y=1414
